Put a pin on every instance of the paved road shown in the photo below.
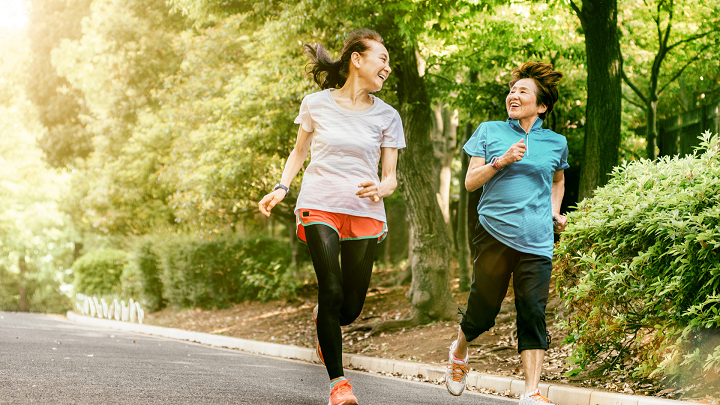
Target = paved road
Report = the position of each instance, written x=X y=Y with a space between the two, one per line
x=46 y=359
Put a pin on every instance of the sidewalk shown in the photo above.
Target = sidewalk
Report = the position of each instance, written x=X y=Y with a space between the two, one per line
x=559 y=394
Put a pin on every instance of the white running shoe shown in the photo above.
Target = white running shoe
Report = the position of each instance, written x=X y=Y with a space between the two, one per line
x=456 y=373
x=534 y=398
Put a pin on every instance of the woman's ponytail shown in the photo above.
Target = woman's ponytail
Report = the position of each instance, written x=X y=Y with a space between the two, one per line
x=330 y=74
x=325 y=71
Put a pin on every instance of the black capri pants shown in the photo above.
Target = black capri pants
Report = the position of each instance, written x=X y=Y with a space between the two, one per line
x=493 y=266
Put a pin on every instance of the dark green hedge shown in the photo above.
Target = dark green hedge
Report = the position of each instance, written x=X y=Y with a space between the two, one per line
x=146 y=263
x=207 y=273
x=99 y=271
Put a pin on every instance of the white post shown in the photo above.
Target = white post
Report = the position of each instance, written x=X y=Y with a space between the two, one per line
x=92 y=307
x=104 y=307
x=125 y=311
x=133 y=310
x=98 y=308
x=140 y=312
x=118 y=309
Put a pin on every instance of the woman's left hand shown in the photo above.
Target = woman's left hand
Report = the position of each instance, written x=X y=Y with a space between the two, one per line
x=559 y=223
x=369 y=189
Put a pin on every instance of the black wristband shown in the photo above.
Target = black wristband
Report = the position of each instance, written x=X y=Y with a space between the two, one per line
x=277 y=186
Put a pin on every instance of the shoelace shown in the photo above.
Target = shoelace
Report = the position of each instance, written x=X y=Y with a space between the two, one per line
x=343 y=388
x=457 y=371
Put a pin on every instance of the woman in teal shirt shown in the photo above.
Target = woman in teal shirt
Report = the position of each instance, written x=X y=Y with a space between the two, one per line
x=520 y=166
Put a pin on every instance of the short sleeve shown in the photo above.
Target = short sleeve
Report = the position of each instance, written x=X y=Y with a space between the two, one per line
x=394 y=136
x=563 y=164
x=475 y=146
x=304 y=118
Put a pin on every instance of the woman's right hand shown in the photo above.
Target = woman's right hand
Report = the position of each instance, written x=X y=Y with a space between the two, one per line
x=514 y=154
x=270 y=201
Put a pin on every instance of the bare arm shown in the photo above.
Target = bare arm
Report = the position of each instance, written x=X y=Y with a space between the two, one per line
x=388 y=183
x=556 y=196
x=292 y=167
x=478 y=173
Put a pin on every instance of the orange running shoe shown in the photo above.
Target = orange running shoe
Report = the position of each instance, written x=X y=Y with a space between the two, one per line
x=342 y=394
x=317 y=342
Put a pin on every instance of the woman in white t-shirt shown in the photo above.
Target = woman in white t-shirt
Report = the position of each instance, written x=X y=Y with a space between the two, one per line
x=340 y=207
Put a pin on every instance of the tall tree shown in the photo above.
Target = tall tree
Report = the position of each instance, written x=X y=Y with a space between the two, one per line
x=683 y=32
x=599 y=19
x=59 y=105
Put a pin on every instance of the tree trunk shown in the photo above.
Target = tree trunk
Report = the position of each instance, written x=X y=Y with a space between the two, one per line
x=463 y=245
x=445 y=140
x=22 y=266
x=651 y=134
x=429 y=291
x=604 y=100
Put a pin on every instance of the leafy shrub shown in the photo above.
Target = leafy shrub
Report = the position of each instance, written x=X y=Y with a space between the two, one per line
x=9 y=290
x=206 y=273
x=43 y=292
x=98 y=272
x=144 y=269
x=640 y=269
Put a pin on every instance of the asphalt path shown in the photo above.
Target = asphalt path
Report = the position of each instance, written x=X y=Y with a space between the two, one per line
x=49 y=360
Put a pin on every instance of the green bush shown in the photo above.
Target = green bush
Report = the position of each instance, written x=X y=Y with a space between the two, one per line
x=43 y=292
x=144 y=269
x=207 y=273
x=9 y=290
x=640 y=269
x=99 y=271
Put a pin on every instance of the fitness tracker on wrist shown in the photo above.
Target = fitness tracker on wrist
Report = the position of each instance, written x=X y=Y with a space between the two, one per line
x=277 y=186
x=494 y=163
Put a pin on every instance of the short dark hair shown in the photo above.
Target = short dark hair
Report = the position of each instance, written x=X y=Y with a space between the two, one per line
x=546 y=79
x=333 y=74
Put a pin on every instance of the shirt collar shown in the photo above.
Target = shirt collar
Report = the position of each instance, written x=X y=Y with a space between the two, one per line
x=516 y=124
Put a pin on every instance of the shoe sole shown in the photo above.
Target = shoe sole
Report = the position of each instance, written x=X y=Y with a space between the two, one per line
x=452 y=393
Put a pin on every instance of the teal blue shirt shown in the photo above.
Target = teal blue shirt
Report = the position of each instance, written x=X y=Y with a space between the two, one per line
x=515 y=206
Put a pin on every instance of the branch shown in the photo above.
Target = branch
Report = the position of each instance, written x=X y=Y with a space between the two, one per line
x=693 y=38
x=633 y=102
x=440 y=77
x=633 y=87
x=577 y=10
x=679 y=72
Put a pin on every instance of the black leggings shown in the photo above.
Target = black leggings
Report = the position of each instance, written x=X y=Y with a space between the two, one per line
x=341 y=289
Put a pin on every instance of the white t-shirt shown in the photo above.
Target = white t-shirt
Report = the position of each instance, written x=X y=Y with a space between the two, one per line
x=345 y=152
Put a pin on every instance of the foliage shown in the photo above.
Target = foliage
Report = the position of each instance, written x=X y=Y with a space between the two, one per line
x=144 y=270
x=640 y=268
x=669 y=51
x=120 y=61
x=59 y=107
x=35 y=236
x=206 y=273
x=99 y=272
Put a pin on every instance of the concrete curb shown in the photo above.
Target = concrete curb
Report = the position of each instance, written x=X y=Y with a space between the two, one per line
x=559 y=394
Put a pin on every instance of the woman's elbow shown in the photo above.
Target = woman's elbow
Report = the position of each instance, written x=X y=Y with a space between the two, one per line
x=470 y=186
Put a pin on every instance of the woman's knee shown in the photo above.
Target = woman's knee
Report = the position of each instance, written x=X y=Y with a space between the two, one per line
x=351 y=308
x=331 y=298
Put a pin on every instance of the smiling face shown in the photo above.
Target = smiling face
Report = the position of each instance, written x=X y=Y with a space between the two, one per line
x=372 y=66
x=521 y=102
